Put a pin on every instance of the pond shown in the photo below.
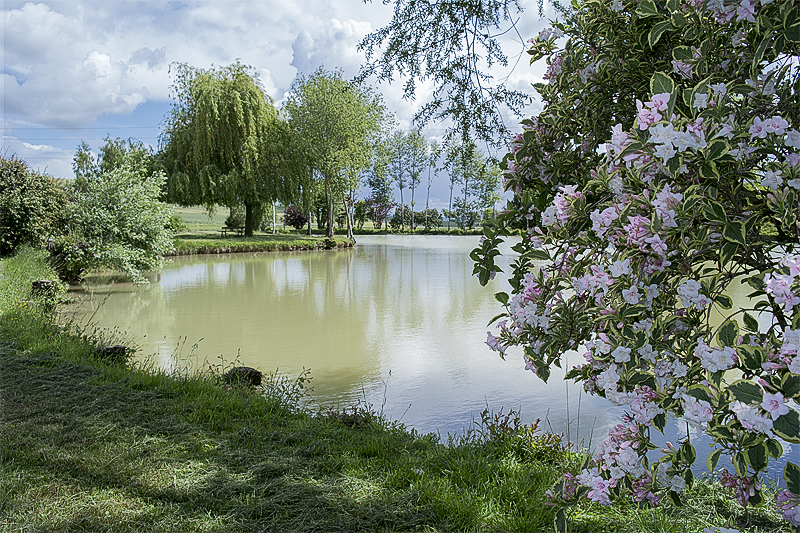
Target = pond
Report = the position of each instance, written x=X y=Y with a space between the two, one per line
x=398 y=322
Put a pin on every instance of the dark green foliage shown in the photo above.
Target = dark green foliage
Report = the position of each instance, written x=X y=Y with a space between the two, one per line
x=237 y=217
x=401 y=218
x=360 y=213
x=430 y=219
x=30 y=204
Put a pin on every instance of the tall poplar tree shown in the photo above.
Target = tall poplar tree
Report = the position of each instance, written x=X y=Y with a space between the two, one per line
x=337 y=121
x=224 y=143
x=417 y=152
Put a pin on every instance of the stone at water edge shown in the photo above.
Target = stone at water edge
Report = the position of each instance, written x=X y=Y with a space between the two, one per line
x=243 y=375
x=113 y=354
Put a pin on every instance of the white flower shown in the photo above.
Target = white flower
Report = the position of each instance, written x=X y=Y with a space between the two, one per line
x=607 y=380
x=677 y=484
x=631 y=295
x=696 y=411
x=792 y=139
x=720 y=89
x=617 y=6
x=688 y=292
x=620 y=268
x=621 y=354
x=700 y=101
x=647 y=353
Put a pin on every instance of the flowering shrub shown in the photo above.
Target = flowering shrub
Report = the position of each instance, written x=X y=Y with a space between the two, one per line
x=664 y=167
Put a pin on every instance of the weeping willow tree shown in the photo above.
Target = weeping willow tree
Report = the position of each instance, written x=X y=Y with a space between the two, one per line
x=225 y=144
x=338 y=121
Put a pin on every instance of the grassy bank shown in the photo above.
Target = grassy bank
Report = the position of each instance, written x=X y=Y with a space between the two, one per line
x=86 y=445
x=195 y=243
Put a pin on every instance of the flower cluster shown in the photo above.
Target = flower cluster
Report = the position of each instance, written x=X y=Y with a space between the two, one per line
x=789 y=505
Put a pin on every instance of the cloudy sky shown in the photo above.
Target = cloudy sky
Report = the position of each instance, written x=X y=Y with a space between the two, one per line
x=85 y=69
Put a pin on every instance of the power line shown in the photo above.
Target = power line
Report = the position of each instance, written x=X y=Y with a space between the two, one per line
x=51 y=128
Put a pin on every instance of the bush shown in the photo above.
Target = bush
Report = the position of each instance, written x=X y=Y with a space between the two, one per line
x=401 y=218
x=115 y=221
x=295 y=217
x=430 y=219
x=236 y=217
x=683 y=185
x=176 y=224
x=360 y=213
x=30 y=204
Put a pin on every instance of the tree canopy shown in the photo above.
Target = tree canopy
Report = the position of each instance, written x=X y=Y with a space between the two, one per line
x=452 y=44
x=224 y=143
x=337 y=121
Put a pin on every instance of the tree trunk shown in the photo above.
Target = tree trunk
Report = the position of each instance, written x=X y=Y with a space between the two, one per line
x=402 y=211
x=308 y=231
x=412 y=209
x=331 y=211
x=248 y=219
x=274 y=216
x=450 y=205
x=348 y=219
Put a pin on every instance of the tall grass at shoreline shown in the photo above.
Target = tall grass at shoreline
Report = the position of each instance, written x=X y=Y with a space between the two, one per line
x=86 y=445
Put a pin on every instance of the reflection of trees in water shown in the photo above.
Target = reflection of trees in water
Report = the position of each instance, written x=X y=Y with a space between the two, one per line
x=335 y=312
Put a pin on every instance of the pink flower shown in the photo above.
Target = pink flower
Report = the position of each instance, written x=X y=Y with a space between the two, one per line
x=779 y=287
x=657 y=244
x=776 y=125
x=494 y=343
x=660 y=101
x=758 y=129
x=789 y=505
x=638 y=229
x=773 y=404
x=684 y=69
x=647 y=117
x=792 y=262
x=619 y=139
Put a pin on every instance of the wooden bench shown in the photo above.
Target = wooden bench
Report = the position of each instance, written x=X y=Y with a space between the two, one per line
x=239 y=230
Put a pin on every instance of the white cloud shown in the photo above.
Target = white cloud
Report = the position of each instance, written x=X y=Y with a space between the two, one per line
x=43 y=158
x=67 y=63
